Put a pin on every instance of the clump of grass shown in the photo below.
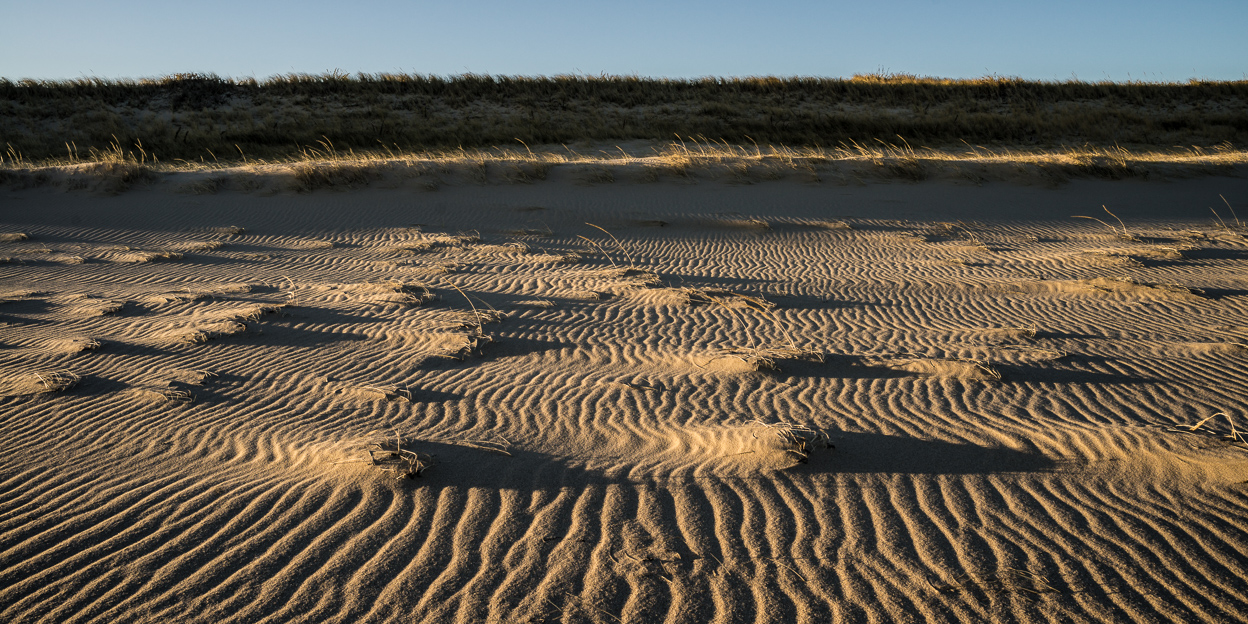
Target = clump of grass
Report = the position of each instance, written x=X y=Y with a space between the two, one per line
x=897 y=161
x=832 y=225
x=228 y=230
x=632 y=263
x=78 y=345
x=165 y=394
x=113 y=177
x=212 y=331
x=57 y=381
x=400 y=292
x=527 y=171
x=311 y=176
x=196 y=246
x=797 y=439
x=13 y=237
x=194 y=377
x=1021 y=331
x=253 y=313
x=476 y=326
x=100 y=308
x=769 y=358
x=393 y=458
x=469 y=344
x=139 y=256
x=42 y=382
x=758 y=357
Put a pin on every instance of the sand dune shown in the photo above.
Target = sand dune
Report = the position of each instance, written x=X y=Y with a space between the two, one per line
x=768 y=403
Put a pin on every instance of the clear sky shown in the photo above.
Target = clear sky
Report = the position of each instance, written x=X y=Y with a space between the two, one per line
x=1170 y=40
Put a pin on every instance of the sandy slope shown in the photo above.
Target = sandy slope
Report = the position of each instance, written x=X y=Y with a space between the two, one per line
x=638 y=483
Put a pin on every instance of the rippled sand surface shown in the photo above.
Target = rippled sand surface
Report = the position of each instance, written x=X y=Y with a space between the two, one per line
x=606 y=423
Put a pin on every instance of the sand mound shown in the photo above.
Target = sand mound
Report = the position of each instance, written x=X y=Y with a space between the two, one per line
x=40 y=382
x=964 y=370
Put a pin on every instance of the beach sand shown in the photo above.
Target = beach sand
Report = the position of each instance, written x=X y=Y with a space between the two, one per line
x=625 y=427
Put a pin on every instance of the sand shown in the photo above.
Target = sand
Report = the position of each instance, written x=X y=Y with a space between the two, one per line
x=631 y=431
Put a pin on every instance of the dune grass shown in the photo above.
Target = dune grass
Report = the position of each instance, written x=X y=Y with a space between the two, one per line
x=684 y=161
x=338 y=130
x=207 y=119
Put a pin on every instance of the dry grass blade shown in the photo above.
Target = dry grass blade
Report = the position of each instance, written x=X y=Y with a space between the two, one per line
x=476 y=313
x=1234 y=436
x=618 y=245
x=1008 y=580
x=1124 y=235
x=1205 y=420
x=600 y=250
x=493 y=446
x=1238 y=225
x=983 y=367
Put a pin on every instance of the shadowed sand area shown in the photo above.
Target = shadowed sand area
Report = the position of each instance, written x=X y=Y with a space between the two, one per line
x=190 y=386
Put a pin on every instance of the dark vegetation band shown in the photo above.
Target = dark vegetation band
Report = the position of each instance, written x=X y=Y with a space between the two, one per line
x=191 y=116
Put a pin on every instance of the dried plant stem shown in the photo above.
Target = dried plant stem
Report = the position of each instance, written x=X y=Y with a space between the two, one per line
x=1228 y=207
x=618 y=245
x=600 y=250
x=480 y=323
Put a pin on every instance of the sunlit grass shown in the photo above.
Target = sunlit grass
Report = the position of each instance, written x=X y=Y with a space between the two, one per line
x=684 y=160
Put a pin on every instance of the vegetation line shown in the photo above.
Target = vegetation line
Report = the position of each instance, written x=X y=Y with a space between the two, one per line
x=197 y=117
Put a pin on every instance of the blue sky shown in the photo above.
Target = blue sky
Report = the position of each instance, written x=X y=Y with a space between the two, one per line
x=1053 y=40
